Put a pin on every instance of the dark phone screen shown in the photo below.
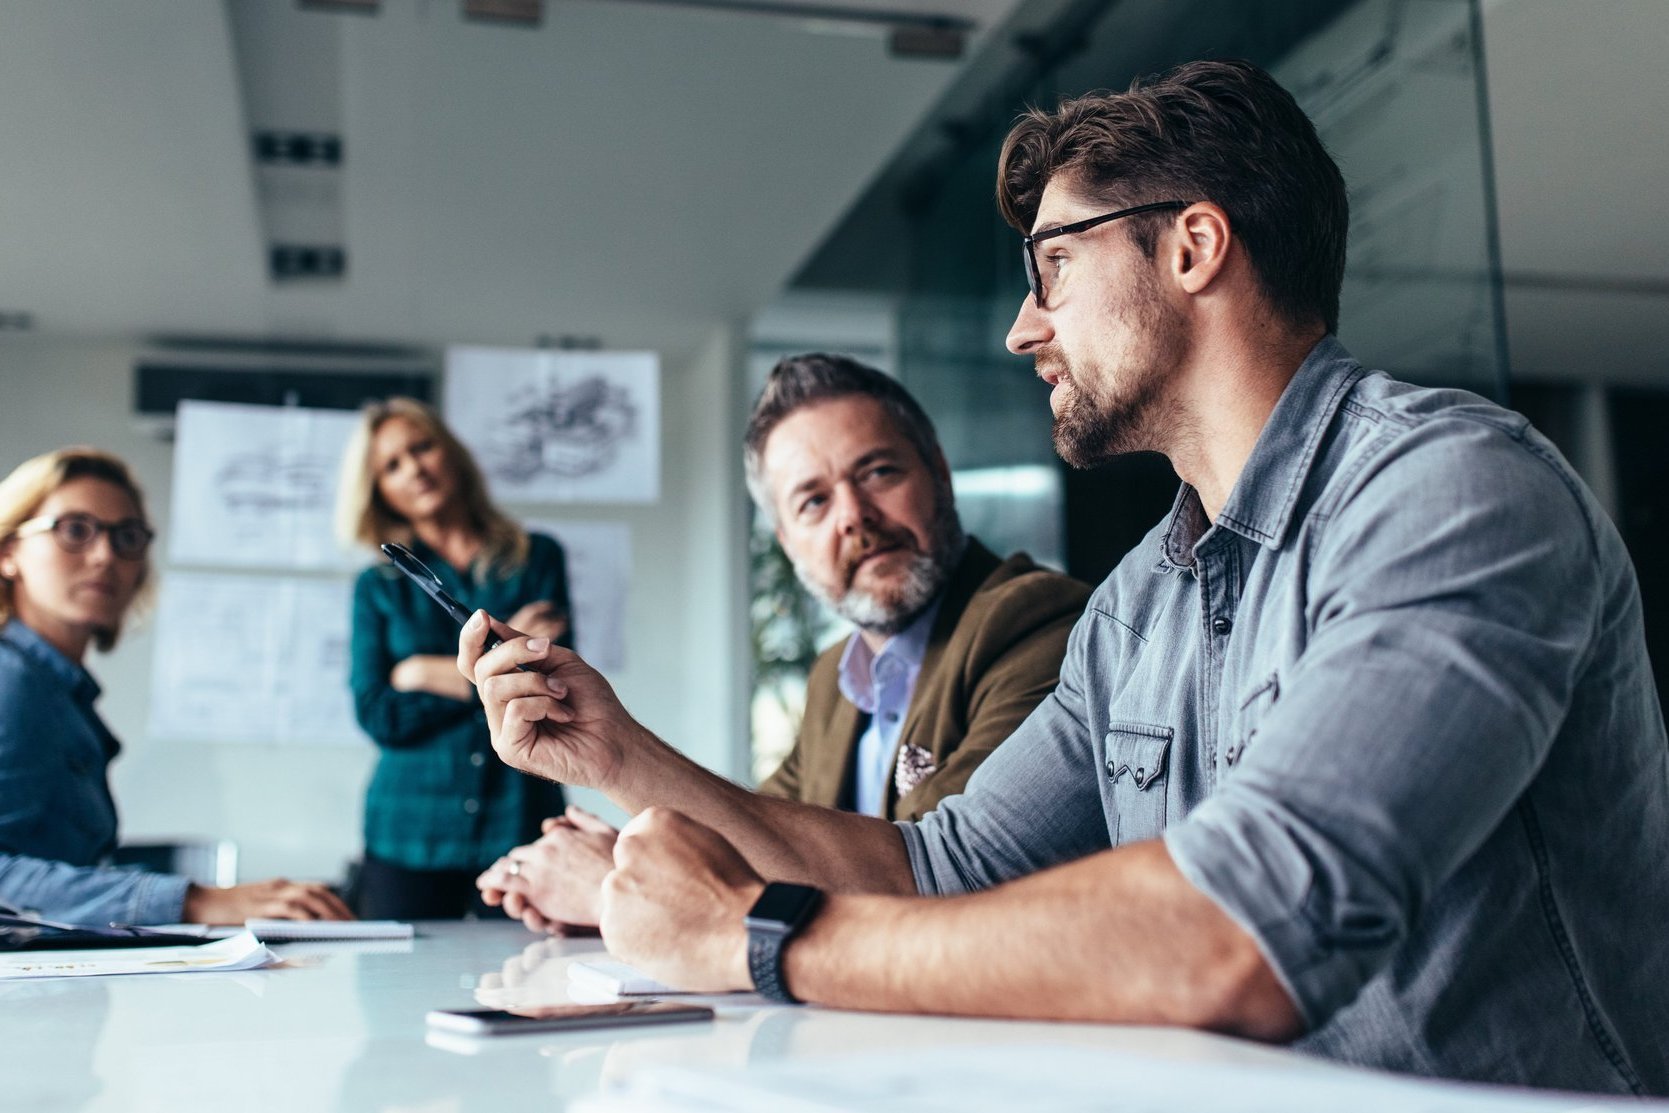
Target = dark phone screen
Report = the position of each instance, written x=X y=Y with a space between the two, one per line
x=582 y=1016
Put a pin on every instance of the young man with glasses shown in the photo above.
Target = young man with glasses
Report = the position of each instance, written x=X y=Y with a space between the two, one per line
x=1358 y=749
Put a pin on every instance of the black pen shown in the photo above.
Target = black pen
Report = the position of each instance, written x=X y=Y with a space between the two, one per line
x=406 y=561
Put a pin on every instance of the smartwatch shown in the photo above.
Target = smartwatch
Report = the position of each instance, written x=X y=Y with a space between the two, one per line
x=775 y=918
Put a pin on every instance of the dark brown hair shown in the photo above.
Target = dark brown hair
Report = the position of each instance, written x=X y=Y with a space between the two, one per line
x=1223 y=132
x=805 y=380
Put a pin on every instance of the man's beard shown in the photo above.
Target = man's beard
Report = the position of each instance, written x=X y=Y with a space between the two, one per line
x=1133 y=415
x=923 y=576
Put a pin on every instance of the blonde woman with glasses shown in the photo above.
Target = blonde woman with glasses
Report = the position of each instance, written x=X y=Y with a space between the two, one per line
x=74 y=559
x=440 y=807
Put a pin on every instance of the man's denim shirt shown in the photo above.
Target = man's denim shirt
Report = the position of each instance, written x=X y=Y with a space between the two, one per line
x=1393 y=713
x=57 y=820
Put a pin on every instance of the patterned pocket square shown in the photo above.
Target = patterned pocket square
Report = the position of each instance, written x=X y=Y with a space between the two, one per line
x=914 y=766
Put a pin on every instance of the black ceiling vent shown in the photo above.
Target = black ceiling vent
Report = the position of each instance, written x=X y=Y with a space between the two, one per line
x=161 y=383
x=290 y=261
x=298 y=148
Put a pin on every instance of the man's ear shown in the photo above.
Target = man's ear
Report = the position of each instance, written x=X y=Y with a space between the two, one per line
x=1200 y=253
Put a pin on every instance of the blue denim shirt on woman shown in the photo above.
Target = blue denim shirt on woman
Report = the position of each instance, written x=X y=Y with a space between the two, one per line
x=57 y=818
x=1392 y=712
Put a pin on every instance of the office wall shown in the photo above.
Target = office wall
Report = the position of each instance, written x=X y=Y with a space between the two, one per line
x=295 y=809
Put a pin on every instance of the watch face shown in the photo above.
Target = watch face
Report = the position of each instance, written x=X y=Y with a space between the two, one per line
x=782 y=903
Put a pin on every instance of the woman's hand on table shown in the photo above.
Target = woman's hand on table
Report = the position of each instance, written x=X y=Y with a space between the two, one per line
x=277 y=899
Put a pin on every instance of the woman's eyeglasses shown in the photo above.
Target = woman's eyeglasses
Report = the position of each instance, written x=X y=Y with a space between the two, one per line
x=75 y=533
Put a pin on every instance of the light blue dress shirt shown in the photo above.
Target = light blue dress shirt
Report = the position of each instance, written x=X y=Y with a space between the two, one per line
x=880 y=685
x=1393 y=713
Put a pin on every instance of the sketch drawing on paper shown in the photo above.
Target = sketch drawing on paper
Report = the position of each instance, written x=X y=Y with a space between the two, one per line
x=555 y=426
x=254 y=486
x=268 y=480
x=568 y=432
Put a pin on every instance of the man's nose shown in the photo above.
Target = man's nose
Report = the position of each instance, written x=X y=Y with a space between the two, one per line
x=1030 y=329
x=852 y=509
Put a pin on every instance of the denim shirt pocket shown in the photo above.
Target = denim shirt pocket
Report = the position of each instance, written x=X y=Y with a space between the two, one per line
x=1137 y=755
x=1247 y=720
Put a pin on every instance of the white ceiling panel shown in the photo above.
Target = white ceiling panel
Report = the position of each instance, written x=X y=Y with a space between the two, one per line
x=125 y=196
x=626 y=171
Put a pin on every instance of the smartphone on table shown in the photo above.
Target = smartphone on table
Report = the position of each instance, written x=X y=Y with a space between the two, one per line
x=564 y=1018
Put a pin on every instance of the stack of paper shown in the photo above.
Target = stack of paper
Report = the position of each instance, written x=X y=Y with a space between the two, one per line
x=617 y=978
x=241 y=952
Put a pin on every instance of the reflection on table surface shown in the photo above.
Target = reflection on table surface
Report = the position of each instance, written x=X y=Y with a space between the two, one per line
x=341 y=1026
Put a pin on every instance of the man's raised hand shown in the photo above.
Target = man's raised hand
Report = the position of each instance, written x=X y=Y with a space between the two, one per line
x=556 y=718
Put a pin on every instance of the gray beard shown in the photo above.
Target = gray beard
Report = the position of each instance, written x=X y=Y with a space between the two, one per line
x=924 y=578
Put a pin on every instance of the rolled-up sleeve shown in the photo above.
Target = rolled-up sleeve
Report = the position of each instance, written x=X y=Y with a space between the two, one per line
x=1448 y=617
x=93 y=895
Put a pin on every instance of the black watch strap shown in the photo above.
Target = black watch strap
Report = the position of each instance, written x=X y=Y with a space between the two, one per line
x=765 y=964
x=779 y=914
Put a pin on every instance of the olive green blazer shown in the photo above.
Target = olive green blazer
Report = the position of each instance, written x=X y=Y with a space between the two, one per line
x=993 y=655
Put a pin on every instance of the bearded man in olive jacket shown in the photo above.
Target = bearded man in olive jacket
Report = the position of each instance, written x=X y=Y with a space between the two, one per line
x=993 y=652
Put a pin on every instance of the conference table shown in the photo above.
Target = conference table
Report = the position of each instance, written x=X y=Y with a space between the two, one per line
x=341 y=1026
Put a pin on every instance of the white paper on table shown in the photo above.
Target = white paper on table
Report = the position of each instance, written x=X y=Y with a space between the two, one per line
x=252 y=659
x=241 y=952
x=617 y=978
x=599 y=556
x=549 y=426
x=255 y=486
x=1064 y=1079
x=601 y=981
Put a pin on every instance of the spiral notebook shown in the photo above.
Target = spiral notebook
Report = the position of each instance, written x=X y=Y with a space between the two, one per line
x=299 y=931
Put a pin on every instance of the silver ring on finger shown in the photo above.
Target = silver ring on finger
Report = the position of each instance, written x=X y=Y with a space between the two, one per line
x=514 y=869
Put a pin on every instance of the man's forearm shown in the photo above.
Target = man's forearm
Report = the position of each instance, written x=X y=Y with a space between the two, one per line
x=782 y=839
x=1119 y=936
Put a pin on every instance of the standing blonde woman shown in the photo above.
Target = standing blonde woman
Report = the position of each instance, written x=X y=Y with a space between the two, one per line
x=440 y=807
x=74 y=556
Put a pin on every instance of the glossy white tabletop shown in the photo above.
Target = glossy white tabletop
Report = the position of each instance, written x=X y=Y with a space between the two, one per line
x=341 y=1027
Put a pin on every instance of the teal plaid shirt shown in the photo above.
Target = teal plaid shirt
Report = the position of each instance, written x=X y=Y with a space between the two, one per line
x=440 y=798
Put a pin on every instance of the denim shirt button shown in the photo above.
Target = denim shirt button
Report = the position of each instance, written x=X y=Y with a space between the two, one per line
x=1221 y=626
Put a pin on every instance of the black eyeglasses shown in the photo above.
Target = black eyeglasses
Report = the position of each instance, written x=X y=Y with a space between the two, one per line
x=129 y=538
x=1029 y=244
